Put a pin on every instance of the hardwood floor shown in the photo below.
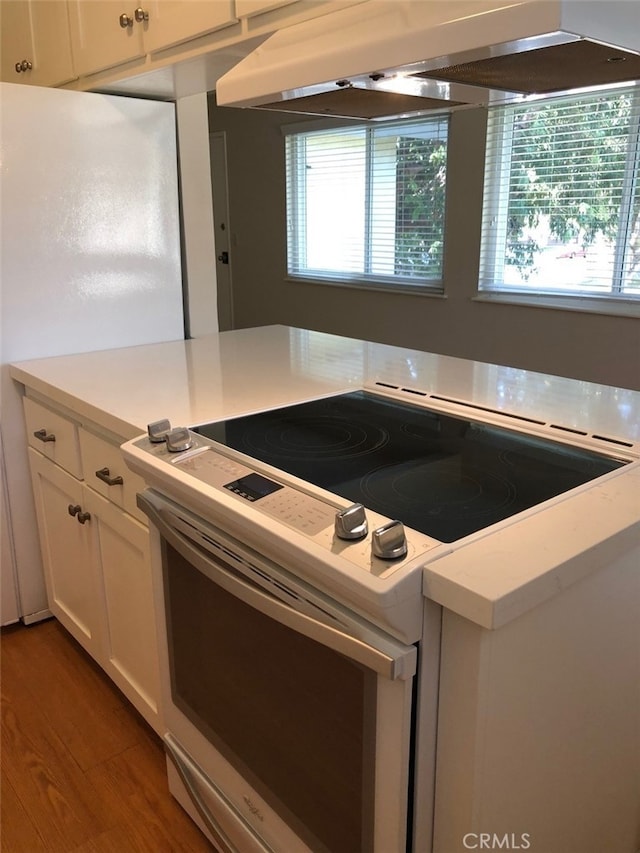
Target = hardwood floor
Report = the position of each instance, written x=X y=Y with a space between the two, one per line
x=81 y=770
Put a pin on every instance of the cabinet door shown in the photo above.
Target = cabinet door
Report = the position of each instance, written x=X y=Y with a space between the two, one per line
x=174 y=21
x=15 y=39
x=66 y=546
x=36 y=32
x=98 y=40
x=131 y=656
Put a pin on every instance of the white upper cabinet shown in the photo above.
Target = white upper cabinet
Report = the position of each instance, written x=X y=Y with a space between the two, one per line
x=35 y=44
x=173 y=21
x=58 y=42
x=106 y=33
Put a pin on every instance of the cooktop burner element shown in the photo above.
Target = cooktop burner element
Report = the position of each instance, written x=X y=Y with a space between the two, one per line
x=315 y=438
x=441 y=475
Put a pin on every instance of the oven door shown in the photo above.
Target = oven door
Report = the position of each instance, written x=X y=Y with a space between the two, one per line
x=289 y=718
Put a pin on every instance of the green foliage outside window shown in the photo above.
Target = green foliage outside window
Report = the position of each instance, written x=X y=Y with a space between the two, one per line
x=568 y=165
x=420 y=206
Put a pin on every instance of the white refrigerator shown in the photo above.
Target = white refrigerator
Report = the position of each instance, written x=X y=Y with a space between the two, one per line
x=90 y=260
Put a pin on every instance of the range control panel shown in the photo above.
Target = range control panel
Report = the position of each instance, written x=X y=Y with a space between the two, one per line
x=288 y=505
x=374 y=543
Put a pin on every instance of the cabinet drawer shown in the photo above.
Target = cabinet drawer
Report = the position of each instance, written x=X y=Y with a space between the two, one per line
x=55 y=436
x=105 y=471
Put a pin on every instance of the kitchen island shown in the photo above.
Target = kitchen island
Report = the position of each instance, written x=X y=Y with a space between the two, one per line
x=234 y=373
x=535 y=633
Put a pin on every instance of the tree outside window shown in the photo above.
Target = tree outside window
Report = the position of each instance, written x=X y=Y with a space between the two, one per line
x=367 y=203
x=562 y=206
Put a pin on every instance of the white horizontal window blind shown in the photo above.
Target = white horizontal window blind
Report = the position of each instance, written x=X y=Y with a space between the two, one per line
x=366 y=204
x=561 y=204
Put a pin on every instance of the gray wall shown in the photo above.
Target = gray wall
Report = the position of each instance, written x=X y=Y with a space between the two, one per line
x=594 y=347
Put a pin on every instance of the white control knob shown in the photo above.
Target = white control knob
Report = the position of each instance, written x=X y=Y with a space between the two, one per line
x=178 y=439
x=389 y=542
x=351 y=523
x=158 y=430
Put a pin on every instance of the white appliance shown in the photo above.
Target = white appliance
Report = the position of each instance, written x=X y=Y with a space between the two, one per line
x=299 y=660
x=399 y=57
x=90 y=261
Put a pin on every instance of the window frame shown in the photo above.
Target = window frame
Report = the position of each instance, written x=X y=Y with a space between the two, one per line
x=433 y=287
x=496 y=204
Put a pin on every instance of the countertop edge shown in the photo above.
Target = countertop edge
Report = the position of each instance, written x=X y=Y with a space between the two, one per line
x=455 y=582
x=82 y=409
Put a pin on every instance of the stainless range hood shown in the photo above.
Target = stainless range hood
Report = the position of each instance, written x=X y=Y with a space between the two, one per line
x=382 y=58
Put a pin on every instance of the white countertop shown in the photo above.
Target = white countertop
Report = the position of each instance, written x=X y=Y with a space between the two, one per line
x=218 y=376
x=192 y=382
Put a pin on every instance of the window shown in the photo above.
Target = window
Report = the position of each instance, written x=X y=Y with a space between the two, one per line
x=366 y=204
x=562 y=204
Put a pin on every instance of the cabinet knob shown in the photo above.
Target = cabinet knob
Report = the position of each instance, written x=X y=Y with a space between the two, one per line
x=25 y=65
x=74 y=509
x=105 y=475
x=125 y=21
x=141 y=15
x=83 y=517
x=42 y=435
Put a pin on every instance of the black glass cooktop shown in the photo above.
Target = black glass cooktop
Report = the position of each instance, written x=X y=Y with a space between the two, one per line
x=444 y=476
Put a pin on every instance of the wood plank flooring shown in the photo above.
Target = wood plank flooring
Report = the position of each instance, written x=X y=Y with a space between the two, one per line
x=81 y=770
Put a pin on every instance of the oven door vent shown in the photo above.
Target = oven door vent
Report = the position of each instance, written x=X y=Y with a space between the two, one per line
x=609 y=441
x=487 y=409
x=617 y=441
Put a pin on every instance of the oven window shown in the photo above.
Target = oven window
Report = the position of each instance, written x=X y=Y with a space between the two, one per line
x=296 y=719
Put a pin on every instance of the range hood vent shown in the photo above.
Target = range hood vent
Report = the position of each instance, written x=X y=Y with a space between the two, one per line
x=560 y=67
x=353 y=102
x=383 y=58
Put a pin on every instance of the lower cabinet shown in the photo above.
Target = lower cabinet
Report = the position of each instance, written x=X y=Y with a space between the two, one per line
x=97 y=572
x=121 y=554
x=66 y=544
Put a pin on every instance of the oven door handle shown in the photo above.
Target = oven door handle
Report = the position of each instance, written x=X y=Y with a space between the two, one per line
x=388 y=658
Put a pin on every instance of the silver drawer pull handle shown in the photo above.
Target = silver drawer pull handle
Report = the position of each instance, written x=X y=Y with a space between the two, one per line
x=41 y=435
x=104 y=475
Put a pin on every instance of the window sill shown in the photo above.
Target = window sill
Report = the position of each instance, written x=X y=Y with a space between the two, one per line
x=356 y=284
x=584 y=304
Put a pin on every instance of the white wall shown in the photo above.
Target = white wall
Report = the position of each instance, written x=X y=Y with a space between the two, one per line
x=199 y=255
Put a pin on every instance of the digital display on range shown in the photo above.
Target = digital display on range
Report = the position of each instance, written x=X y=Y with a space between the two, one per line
x=253 y=487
